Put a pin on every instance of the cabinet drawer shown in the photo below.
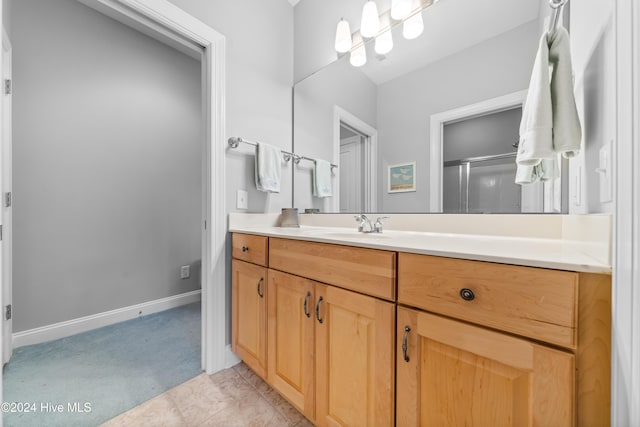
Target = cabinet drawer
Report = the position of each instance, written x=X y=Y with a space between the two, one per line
x=368 y=271
x=532 y=302
x=250 y=248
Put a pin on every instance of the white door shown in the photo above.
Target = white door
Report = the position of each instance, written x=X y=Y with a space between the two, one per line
x=351 y=175
x=6 y=271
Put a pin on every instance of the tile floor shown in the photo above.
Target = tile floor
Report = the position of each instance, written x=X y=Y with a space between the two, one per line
x=233 y=397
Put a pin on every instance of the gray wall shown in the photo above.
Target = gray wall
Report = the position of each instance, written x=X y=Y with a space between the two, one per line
x=259 y=74
x=6 y=13
x=486 y=135
x=340 y=85
x=467 y=77
x=107 y=148
x=259 y=77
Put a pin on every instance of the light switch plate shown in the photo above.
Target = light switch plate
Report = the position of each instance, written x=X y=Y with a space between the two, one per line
x=185 y=272
x=242 y=199
x=604 y=171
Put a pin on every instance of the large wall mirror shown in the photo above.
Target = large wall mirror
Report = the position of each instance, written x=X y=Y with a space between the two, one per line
x=430 y=126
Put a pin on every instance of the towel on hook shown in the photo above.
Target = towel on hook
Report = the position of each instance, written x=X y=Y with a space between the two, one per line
x=268 y=171
x=567 y=132
x=536 y=137
x=321 y=179
x=550 y=124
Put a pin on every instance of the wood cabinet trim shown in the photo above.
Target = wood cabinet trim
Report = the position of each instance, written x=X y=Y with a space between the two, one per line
x=367 y=271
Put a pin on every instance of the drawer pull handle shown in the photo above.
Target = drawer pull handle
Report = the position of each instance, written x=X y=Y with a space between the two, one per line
x=318 y=310
x=467 y=294
x=260 y=287
x=405 y=346
x=306 y=301
x=245 y=249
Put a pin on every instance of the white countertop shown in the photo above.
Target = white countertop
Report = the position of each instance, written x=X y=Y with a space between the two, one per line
x=554 y=253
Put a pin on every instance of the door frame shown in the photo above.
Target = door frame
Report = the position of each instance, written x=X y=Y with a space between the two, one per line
x=625 y=341
x=151 y=17
x=6 y=250
x=370 y=158
x=437 y=122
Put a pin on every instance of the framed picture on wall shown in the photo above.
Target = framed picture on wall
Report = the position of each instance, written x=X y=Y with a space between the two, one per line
x=402 y=178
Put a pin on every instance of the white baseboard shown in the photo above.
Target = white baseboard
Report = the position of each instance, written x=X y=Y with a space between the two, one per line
x=230 y=357
x=87 y=323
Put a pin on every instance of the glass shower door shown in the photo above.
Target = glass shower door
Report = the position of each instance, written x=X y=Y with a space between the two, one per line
x=481 y=185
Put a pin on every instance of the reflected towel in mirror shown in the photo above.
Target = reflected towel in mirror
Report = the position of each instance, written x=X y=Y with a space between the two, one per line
x=321 y=180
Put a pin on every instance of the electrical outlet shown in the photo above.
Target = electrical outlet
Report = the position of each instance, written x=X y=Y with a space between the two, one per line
x=185 y=271
x=242 y=199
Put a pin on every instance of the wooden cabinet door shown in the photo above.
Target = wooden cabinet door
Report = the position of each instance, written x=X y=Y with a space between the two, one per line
x=291 y=339
x=249 y=314
x=457 y=374
x=354 y=359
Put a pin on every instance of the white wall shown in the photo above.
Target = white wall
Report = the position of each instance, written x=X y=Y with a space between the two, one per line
x=259 y=78
x=314 y=100
x=259 y=74
x=107 y=147
x=593 y=54
x=467 y=77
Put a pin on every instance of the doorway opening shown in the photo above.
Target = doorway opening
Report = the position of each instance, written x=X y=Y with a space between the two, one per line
x=479 y=166
x=157 y=18
x=355 y=148
x=352 y=148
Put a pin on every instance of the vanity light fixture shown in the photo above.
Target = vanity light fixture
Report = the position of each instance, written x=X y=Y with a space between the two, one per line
x=405 y=12
x=343 y=37
x=413 y=26
x=358 y=56
x=370 y=21
x=384 y=42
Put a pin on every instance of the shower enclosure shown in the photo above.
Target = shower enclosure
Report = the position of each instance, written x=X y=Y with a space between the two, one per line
x=481 y=185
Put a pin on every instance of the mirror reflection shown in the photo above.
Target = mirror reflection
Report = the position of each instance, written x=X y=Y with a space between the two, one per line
x=431 y=125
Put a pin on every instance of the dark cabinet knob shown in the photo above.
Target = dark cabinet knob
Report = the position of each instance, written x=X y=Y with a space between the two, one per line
x=467 y=294
x=245 y=249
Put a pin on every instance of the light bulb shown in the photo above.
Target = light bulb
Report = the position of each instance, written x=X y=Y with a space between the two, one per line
x=343 y=37
x=400 y=9
x=370 y=20
x=358 y=56
x=384 y=43
x=413 y=27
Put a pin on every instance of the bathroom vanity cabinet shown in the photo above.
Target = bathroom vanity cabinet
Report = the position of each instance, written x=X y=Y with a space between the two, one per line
x=359 y=336
x=331 y=350
x=248 y=301
x=491 y=344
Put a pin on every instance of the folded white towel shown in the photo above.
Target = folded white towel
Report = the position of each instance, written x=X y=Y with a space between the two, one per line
x=268 y=170
x=536 y=138
x=567 y=132
x=321 y=181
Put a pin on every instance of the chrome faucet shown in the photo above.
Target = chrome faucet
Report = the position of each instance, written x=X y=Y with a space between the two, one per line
x=366 y=226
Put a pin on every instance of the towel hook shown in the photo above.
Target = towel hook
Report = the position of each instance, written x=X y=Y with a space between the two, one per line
x=234 y=141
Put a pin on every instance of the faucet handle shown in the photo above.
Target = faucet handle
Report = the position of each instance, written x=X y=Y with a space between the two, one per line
x=378 y=225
